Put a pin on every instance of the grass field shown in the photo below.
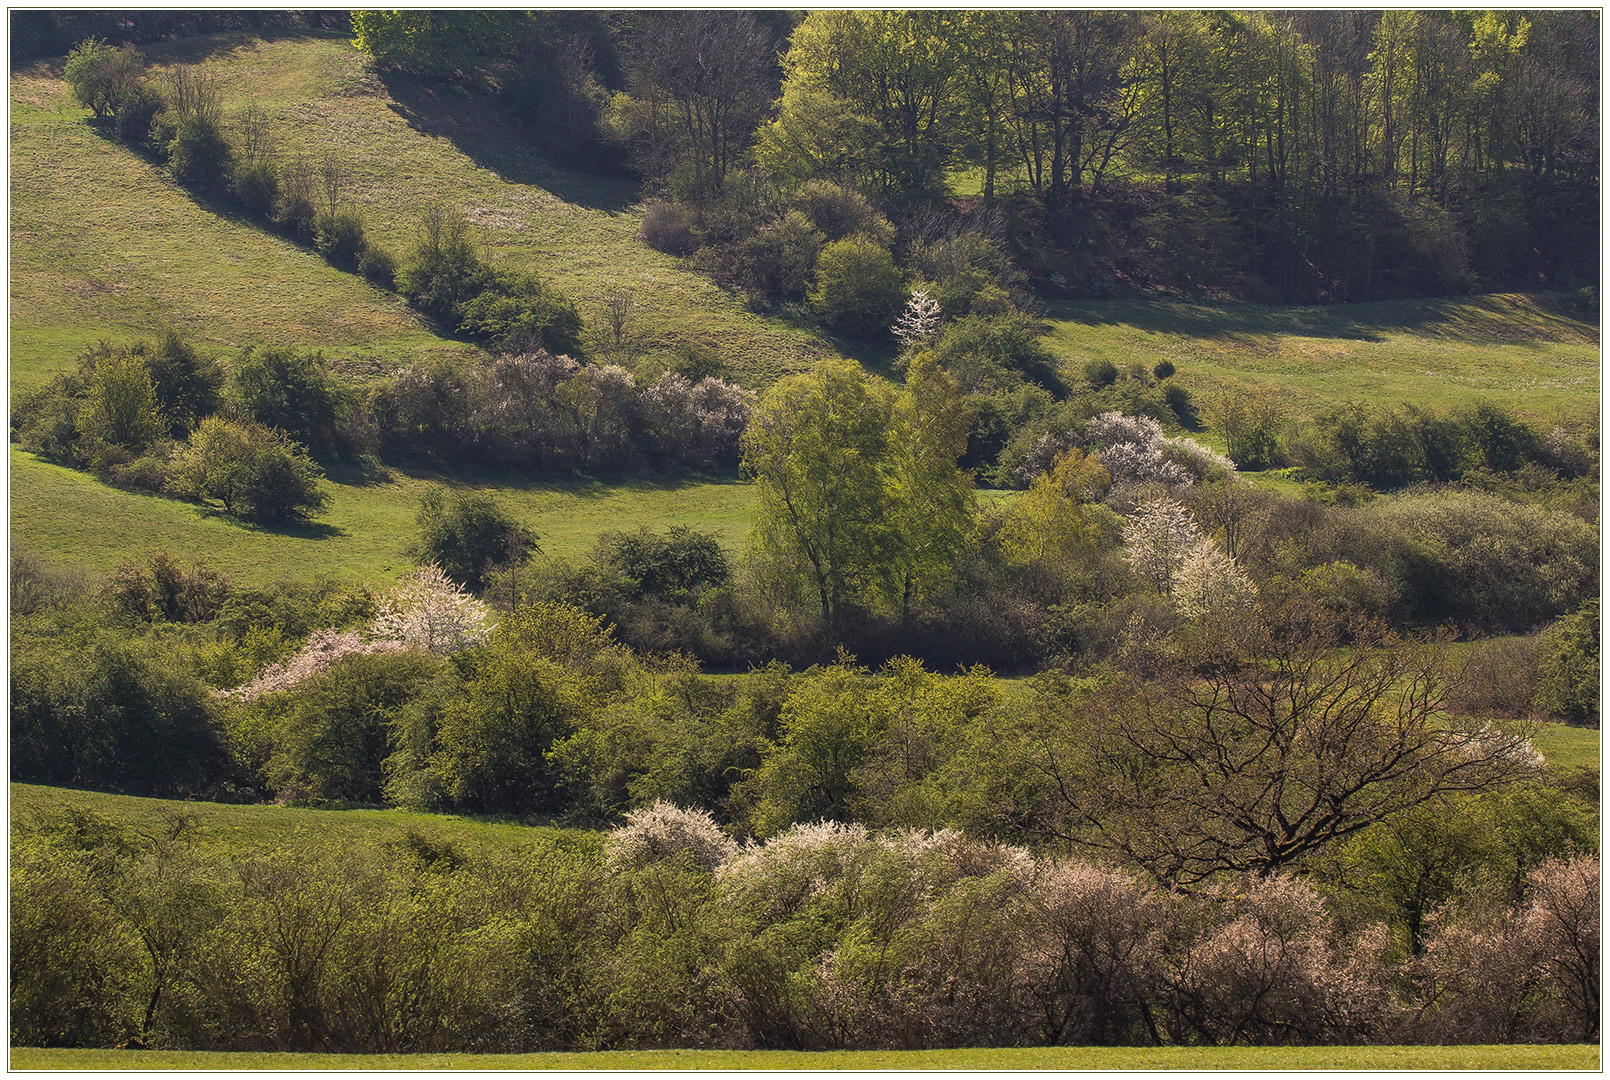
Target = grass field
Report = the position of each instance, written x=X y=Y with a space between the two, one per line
x=1508 y=1058
x=105 y=246
x=1568 y=747
x=72 y=519
x=235 y=829
x=1511 y=349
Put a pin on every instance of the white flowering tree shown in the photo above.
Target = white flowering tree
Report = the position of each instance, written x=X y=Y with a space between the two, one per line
x=1207 y=580
x=1157 y=538
x=323 y=649
x=427 y=610
x=919 y=321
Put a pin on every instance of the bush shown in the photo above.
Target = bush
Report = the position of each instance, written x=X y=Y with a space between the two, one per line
x=339 y=238
x=139 y=108
x=377 y=265
x=1164 y=369
x=839 y=212
x=670 y=565
x=296 y=208
x=254 y=471
x=199 y=155
x=1568 y=667
x=120 y=416
x=467 y=534
x=1100 y=373
x=665 y=833
x=520 y=313
x=102 y=76
x=857 y=289
x=157 y=588
x=290 y=390
x=256 y=186
x=670 y=227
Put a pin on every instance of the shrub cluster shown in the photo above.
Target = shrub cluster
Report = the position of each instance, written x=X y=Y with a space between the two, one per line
x=824 y=937
x=162 y=418
x=550 y=413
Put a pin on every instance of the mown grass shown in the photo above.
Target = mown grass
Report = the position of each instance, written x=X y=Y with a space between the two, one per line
x=1511 y=1058
x=241 y=829
x=71 y=519
x=1512 y=349
x=1567 y=747
x=104 y=245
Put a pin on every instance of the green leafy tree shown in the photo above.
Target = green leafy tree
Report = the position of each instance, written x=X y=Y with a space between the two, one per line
x=857 y=289
x=519 y=313
x=256 y=472
x=102 y=76
x=291 y=390
x=466 y=533
x=818 y=448
x=932 y=506
x=121 y=413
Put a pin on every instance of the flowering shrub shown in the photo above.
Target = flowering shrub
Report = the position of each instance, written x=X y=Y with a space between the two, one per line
x=667 y=833
x=1158 y=537
x=1207 y=580
x=427 y=610
x=323 y=648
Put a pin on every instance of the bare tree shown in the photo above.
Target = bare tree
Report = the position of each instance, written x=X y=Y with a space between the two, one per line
x=1267 y=741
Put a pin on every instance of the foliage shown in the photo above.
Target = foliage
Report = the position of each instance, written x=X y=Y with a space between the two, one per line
x=102 y=76
x=120 y=414
x=665 y=833
x=856 y=288
x=426 y=610
x=1267 y=745
x=291 y=390
x=254 y=471
x=467 y=533
x=1568 y=667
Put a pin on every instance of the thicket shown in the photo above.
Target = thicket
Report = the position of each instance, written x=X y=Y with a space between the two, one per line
x=825 y=936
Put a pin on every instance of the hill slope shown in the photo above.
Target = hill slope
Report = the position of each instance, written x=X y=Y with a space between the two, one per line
x=152 y=256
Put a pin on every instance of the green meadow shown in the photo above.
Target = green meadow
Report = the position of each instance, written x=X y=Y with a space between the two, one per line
x=1066 y=1059
x=70 y=518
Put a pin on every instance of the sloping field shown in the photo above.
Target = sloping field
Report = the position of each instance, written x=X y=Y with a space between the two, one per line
x=105 y=246
x=1512 y=349
x=70 y=518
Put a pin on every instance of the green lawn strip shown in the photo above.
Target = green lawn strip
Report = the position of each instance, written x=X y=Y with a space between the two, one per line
x=239 y=829
x=1445 y=352
x=1568 y=747
x=1060 y=1058
x=70 y=518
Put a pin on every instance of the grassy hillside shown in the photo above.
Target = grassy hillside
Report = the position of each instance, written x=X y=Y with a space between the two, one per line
x=104 y=245
x=1512 y=349
x=71 y=518
x=1059 y=1057
x=237 y=829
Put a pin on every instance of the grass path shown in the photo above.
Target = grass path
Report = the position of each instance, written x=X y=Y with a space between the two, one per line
x=1510 y=1058
x=69 y=517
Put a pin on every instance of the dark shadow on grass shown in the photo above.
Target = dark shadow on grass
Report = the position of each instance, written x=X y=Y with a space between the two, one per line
x=301 y=530
x=195 y=49
x=478 y=129
x=585 y=485
x=355 y=472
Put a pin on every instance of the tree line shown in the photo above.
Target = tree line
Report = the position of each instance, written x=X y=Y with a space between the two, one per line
x=1290 y=156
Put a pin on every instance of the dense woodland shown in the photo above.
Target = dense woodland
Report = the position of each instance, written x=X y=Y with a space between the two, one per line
x=1265 y=772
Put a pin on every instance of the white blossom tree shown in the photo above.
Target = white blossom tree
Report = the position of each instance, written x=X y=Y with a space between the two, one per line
x=919 y=321
x=1207 y=580
x=1157 y=538
x=426 y=609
